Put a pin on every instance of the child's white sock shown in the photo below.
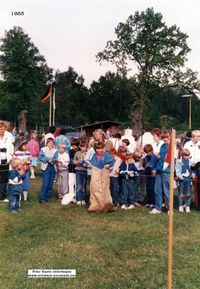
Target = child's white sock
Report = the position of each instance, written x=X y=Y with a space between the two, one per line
x=32 y=174
x=25 y=194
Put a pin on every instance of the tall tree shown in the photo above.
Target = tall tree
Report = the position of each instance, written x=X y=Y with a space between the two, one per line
x=111 y=98
x=158 y=51
x=72 y=98
x=24 y=72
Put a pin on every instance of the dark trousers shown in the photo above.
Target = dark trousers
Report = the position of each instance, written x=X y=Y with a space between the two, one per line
x=198 y=193
x=128 y=191
x=81 y=184
x=150 y=184
x=114 y=189
x=3 y=181
x=14 y=201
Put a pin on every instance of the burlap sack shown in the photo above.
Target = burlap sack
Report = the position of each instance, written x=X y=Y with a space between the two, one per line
x=100 y=197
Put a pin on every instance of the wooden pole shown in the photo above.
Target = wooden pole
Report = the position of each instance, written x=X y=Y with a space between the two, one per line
x=190 y=112
x=171 y=208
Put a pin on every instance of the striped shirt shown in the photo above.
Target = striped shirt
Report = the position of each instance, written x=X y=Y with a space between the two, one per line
x=25 y=156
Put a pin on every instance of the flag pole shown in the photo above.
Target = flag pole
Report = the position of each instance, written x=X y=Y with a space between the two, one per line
x=50 y=106
x=54 y=105
x=171 y=209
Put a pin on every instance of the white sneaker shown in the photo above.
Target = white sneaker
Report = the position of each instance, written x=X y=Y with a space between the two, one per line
x=73 y=201
x=187 y=209
x=123 y=207
x=181 y=209
x=155 y=211
x=137 y=204
x=6 y=201
x=32 y=177
x=131 y=207
x=83 y=203
x=78 y=203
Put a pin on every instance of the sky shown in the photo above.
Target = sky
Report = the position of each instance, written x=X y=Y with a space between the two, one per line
x=72 y=32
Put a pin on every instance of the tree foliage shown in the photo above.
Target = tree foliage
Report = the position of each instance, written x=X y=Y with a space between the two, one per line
x=24 y=72
x=158 y=51
x=111 y=98
x=72 y=98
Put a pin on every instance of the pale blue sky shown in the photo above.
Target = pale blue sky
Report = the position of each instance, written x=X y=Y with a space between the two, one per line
x=72 y=32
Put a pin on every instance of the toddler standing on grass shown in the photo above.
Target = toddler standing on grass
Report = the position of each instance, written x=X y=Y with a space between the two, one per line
x=149 y=163
x=62 y=171
x=24 y=155
x=81 y=174
x=15 y=184
x=183 y=174
x=34 y=149
x=72 y=173
x=114 y=177
x=127 y=172
x=138 y=161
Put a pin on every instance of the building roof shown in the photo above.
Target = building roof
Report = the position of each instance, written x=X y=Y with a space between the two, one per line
x=98 y=124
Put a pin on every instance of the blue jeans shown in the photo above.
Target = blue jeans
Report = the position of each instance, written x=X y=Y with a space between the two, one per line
x=128 y=191
x=161 y=186
x=150 y=184
x=184 y=187
x=48 y=177
x=26 y=181
x=13 y=202
x=81 y=183
x=114 y=189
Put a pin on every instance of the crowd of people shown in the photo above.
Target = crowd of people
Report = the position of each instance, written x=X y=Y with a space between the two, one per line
x=117 y=169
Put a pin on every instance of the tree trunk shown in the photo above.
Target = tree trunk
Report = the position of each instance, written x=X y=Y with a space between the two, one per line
x=136 y=122
x=22 y=119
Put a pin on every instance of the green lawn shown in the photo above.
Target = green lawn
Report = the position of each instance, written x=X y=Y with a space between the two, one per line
x=125 y=249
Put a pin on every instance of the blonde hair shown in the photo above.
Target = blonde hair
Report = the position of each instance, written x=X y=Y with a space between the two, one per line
x=62 y=145
x=15 y=163
x=185 y=152
x=195 y=132
x=100 y=131
x=2 y=123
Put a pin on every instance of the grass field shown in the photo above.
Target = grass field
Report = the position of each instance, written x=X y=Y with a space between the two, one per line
x=125 y=249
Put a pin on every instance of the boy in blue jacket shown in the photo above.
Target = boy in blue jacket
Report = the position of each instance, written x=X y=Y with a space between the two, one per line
x=15 y=184
x=127 y=171
x=183 y=174
x=149 y=164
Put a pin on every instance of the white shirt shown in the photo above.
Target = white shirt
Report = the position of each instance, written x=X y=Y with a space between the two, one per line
x=6 y=143
x=116 y=142
x=146 y=138
x=64 y=161
x=194 y=149
x=157 y=146
x=10 y=136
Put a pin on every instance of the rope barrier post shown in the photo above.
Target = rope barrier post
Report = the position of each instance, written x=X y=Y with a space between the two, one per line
x=171 y=208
